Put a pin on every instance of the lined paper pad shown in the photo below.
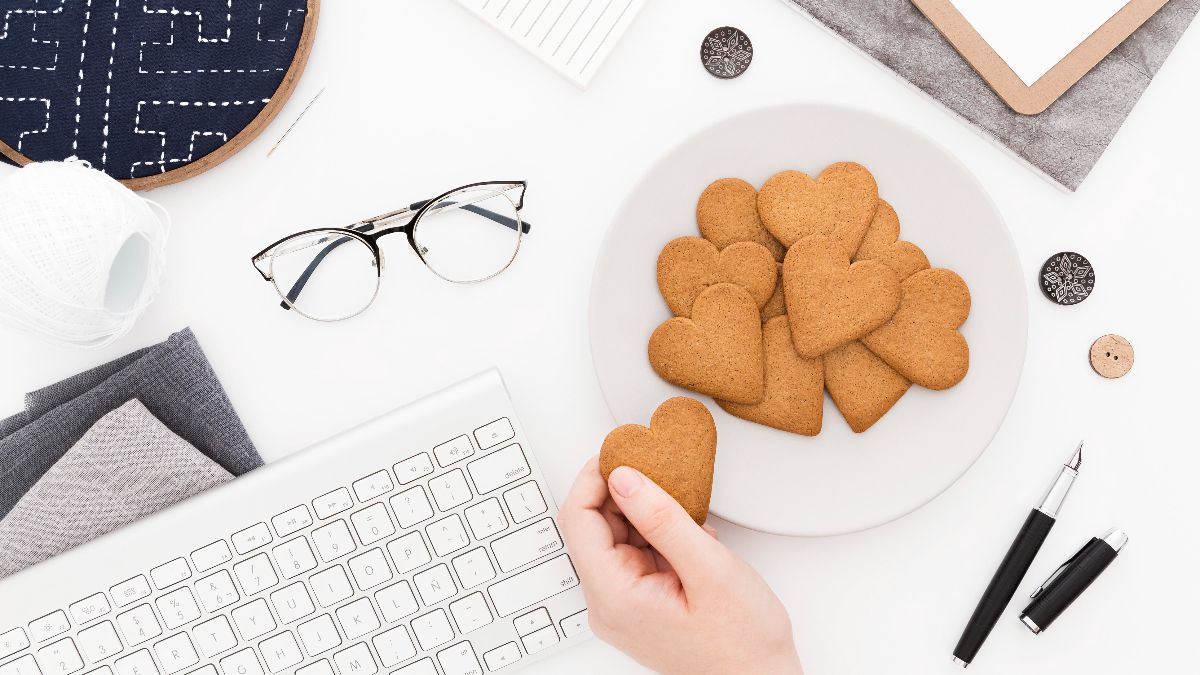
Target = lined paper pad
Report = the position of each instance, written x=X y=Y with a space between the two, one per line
x=573 y=36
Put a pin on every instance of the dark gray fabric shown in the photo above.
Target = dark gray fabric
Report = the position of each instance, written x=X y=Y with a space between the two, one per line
x=1068 y=138
x=173 y=380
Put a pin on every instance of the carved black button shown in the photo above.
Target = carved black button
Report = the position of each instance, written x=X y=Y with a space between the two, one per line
x=726 y=52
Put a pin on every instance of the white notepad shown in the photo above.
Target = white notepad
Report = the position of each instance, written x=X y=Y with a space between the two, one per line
x=572 y=36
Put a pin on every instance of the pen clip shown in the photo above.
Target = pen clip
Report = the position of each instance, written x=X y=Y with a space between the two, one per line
x=1057 y=573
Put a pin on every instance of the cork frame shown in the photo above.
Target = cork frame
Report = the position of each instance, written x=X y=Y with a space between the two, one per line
x=244 y=137
x=1033 y=99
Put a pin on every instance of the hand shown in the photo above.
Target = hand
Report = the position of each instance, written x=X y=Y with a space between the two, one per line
x=665 y=591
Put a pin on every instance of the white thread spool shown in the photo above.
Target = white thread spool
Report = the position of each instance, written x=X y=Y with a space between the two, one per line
x=80 y=254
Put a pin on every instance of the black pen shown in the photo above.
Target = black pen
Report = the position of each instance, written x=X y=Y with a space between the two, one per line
x=1016 y=562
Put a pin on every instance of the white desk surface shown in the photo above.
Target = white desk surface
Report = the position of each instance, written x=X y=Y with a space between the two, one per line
x=422 y=97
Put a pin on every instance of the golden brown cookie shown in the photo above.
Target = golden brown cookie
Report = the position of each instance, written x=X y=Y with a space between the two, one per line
x=861 y=385
x=718 y=351
x=882 y=243
x=688 y=265
x=839 y=203
x=677 y=451
x=727 y=213
x=831 y=301
x=775 y=306
x=922 y=341
x=794 y=396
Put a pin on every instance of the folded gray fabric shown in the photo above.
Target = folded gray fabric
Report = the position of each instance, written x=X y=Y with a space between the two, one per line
x=128 y=465
x=1066 y=140
x=40 y=402
x=175 y=383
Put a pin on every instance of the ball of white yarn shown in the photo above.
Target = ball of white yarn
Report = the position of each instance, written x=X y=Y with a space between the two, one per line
x=80 y=254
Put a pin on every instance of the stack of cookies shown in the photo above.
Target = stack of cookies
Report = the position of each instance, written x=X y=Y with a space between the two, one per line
x=801 y=287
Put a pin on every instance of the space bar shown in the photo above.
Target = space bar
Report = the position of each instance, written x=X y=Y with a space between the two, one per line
x=533 y=585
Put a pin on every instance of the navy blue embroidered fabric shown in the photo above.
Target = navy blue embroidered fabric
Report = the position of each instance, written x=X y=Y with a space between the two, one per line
x=139 y=87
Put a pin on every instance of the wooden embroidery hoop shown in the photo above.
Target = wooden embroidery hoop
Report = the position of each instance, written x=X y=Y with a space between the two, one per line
x=243 y=138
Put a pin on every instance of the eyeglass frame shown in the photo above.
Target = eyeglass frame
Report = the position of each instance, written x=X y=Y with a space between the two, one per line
x=361 y=231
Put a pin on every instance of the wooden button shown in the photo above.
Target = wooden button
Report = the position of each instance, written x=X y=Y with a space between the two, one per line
x=1112 y=356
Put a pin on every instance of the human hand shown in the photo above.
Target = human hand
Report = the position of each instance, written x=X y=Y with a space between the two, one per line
x=664 y=590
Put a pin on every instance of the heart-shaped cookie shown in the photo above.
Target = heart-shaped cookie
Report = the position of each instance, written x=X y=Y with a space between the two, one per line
x=794 y=391
x=688 y=265
x=922 y=341
x=775 y=306
x=718 y=351
x=677 y=451
x=882 y=243
x=831 y=301
x=861 y=385
x=727 y=213
x=839 y=203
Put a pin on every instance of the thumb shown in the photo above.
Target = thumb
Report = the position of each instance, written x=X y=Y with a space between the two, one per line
x=664 y=524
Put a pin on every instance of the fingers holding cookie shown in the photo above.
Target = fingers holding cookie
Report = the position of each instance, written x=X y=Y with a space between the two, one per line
x=863 y=387
x=727 y=213
x=839 y=203
x=882 y=243
x=688 y=265
x=794 y=387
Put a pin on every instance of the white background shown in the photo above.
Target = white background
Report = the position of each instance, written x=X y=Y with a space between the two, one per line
x=422 y=97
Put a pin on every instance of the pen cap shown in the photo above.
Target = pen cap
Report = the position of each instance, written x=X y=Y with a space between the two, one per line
x=1071 y=579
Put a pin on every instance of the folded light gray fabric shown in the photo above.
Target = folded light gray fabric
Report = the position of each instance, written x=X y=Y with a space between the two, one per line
x=173 y=380
x=126 y=466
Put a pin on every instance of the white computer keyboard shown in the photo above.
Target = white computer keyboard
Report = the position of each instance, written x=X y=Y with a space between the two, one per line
x=421 y=543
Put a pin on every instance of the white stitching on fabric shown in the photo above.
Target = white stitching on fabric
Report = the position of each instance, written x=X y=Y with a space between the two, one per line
x=22 y=99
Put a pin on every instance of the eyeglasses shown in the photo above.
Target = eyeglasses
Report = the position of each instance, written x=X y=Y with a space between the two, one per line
x=467 y=235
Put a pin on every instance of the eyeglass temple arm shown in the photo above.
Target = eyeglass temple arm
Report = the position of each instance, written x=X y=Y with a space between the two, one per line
x=479 y=211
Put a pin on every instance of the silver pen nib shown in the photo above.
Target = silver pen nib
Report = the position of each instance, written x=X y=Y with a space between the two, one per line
x=1076 y=459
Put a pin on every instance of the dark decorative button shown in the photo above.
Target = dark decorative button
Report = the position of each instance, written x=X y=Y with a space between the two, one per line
x=1111 y=356
x=1067 y=278
x=726 y=52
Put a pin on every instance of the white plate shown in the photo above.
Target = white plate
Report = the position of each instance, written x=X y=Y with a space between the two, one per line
x=839 y=481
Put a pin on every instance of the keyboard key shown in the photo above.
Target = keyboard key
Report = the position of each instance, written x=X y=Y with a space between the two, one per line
x=60 y=658
x=408 y=552
x=372 y=486
x=321 y=667
x=214 y=636
x=170 y=573
x=499 y=469
x=130 y=591
x=413 y=468
x=178 y=607
x=370 y=569
x=470 y=613
x=319 y=635
x=396 y=602
x=422 y=667
x=474 y=568
x=13 y=641
x=533 y=585
x=447 y=535
x=26 y=665
x=540 y=640
x=486 y=518
x=435 y=585
x=531 y=622
x=575 y=624
x=217 y=591
x=411 y=507
x=292 y=602
x=432 y=629
x=206 y=670
x=244 y=662
x=253 y=620
x=503 y=656
x=331 y=586
x=280 y=652
x=256 y=574
x=138 y=625
x=453 y=450
x=357 y=618
x=333 y=540
x=372 y=524
x=99 y=642
x=213 y=555
x=525 y=502
x=494 y=433
x=176 y=653
x=394 y=646
x=255 y=536
x=294 y=557
x=105 y=670
x=356 y=660
x=459 y=659
x=83 y=611
x=54 y=623
x=450 y=490
x=137 y=663
x=332 y=503
x=527 y=544
x=292 y=521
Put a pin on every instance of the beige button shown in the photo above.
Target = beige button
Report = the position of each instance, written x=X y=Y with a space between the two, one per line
x=1112 y=356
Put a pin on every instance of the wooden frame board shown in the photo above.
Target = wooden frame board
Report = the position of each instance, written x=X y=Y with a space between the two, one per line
x=1033 y=99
